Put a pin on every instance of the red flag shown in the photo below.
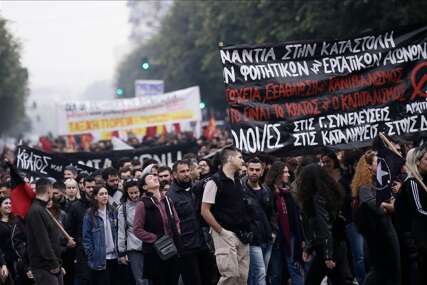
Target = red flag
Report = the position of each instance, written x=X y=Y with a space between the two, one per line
x=151 y=132
x=177 y=128
x=45 y=144
x=211 y=129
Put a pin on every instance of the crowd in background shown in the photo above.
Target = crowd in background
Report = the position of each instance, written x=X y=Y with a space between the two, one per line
x=218 y=220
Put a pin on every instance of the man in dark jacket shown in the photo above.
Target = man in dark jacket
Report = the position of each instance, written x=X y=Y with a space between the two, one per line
x=260 y=205
x=74 y=225
x=44 y=248
x=191 y=236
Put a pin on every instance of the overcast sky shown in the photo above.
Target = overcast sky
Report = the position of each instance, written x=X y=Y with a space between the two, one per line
x=68 y=45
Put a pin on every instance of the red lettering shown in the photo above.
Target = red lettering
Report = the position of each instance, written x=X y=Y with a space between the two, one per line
x=309 y=107
x=257 y=113
x=242 y=95
x=234 y=115
x=278 y=110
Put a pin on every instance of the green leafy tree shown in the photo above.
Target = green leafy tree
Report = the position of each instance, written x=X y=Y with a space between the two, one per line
x=13 y=81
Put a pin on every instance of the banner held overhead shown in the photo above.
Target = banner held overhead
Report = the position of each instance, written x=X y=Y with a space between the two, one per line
x=80 y=117
x=299 y=97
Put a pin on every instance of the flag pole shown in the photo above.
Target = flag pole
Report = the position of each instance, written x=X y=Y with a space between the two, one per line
x=408 y=168
x=61 y=228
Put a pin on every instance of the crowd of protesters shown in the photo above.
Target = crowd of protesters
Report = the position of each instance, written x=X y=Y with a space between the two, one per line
x=226 y=219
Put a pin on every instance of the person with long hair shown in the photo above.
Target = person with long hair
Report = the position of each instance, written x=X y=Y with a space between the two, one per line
x=288 y=242
x=129 y=246
x=155 y=217
x=375 y=224
x=320 y=198
x=402 y=220
x=329 y=161
x=12 y=246
x=100 y=239
x=417 y=207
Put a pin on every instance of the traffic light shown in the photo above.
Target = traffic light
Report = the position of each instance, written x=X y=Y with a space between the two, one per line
x=120 y=92
x=202 y=105
x=145 y=64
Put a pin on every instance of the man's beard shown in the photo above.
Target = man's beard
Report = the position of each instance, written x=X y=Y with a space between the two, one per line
x=163 y=184
x=254 y=179
x=184 y=184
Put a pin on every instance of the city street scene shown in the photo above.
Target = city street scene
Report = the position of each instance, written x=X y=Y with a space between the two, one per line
x=229 y=142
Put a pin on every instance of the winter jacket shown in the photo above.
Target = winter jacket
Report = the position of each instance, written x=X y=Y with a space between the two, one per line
x=13 y=241
x=184 y=201
x=43 y=236
x=75 y=215
x=94 y=237
x=321 y=230
x=127 y=241
x=261 y=211
x=418 y=207
x=294 y=222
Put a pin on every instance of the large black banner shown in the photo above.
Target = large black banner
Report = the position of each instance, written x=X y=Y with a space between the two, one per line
x=39 y=163
x=299 y=97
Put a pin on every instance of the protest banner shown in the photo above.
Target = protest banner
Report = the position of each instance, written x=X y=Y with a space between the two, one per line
x=147 y=88
x=39 y=163
x=299 y=97
x=80 y=117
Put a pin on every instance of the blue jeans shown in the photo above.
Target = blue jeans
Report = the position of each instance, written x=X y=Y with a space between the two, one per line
x=277 y=262
x=356 y=241
x=258 y=265
x=136 y=261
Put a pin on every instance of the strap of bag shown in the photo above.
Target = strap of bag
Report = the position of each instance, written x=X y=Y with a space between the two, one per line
x=171 y=219
x=13 y=242
x=125 y=216
x=173 y=224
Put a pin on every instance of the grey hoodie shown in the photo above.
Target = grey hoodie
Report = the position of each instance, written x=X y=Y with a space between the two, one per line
x=133 y=243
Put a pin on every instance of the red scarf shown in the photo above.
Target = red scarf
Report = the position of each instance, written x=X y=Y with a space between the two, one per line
x=282 y=216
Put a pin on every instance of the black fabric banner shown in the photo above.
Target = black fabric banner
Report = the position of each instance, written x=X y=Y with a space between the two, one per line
x=299 y=97
x=39 y=163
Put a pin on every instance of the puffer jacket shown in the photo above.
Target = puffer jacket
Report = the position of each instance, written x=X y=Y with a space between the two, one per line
x=127 y=241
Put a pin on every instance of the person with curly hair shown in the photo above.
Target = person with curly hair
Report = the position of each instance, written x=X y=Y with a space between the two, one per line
x=375 y=224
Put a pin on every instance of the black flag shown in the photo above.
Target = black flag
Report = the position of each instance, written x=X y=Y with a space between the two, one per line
x=389 y=167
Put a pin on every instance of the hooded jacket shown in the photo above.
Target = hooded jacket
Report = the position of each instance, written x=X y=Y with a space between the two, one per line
x=127 y=241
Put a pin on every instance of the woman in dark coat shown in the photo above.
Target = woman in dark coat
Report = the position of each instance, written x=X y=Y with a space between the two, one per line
x=321 y=198
x=12 y=245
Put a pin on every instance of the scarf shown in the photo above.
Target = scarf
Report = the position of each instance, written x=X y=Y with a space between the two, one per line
x=283 y=217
